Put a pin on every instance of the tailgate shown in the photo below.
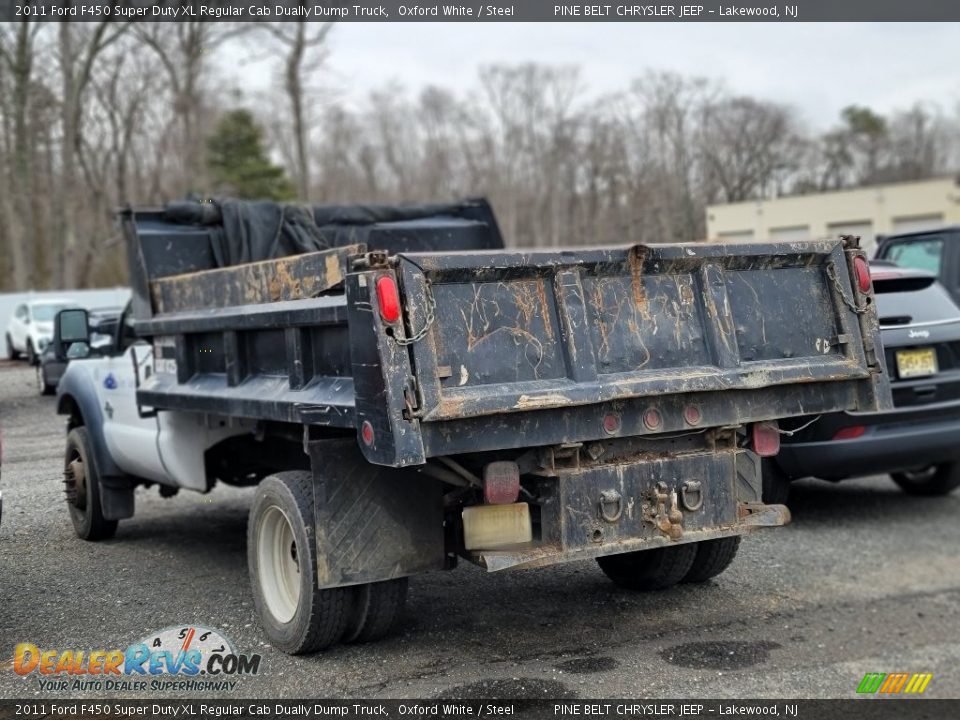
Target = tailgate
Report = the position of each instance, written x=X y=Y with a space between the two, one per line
x=542 y=330
x=528 y=349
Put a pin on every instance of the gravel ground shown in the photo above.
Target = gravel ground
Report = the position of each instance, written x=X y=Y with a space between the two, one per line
x=865 y=579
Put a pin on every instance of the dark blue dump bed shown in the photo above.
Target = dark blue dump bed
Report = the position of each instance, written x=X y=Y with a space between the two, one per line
x=498 y=349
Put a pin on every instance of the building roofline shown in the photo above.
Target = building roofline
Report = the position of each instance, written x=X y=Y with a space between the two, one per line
x=877 y=186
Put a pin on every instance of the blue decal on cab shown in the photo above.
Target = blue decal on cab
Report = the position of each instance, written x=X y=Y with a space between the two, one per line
x=110 y=382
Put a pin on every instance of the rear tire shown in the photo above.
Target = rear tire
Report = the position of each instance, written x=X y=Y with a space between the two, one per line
x=655 y=569
x=376 y=609
x=83 y=485
x=11 y=353
x=296 y=616
x=931 y=482
x=32 y=357
x=776 y=484
x=713 y=557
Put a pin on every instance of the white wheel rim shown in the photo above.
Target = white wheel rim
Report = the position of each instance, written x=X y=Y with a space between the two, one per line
x=279 y=566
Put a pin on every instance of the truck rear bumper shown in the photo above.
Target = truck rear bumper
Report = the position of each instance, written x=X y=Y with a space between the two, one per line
x=756 y=516
x=638 y=505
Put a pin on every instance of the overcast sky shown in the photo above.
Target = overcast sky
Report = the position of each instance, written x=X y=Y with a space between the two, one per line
x=817 y=68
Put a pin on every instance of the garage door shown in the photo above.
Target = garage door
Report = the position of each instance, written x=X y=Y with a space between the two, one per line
x=736 y=235
x=789 y=234
x=863 y=228
x=916 y=223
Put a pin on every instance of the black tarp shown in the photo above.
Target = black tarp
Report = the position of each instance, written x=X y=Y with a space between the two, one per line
x=247 y=231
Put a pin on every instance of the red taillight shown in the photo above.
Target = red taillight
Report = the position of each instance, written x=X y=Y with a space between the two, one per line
x=501 y=483
x=611 y=423
x=862 y=271
x=389 y=298
x=652 y=418
x=766 y=439
x=366 y=433
x=849 y=433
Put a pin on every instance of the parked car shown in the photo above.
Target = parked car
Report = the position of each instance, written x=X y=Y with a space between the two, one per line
x=31 y=327
x=103 y=326
x=918 y=442
x=937 y=251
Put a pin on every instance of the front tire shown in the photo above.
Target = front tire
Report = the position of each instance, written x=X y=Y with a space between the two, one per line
x=296 y=616
x=655 y=569
x=45 y=387
x=11 y=352
x=933 y=481
x=713 y=557
x=82 y=480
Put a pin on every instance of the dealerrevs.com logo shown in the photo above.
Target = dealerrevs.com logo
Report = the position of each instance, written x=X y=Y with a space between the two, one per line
x=183 y=658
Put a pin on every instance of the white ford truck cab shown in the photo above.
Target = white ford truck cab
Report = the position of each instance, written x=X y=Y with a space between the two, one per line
x=131 y=443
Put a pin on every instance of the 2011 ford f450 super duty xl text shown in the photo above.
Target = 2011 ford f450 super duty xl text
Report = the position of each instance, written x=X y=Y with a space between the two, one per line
x=403 y=392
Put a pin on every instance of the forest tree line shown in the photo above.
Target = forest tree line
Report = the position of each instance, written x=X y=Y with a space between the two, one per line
x=96 y=115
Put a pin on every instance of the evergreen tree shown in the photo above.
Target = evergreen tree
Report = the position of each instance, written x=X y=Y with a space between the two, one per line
x=238 y=161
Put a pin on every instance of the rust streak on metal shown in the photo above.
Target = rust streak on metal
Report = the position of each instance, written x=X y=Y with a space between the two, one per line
x=635 y=257
x=289 y=278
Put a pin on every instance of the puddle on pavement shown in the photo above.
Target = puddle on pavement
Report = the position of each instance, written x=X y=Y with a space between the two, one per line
x=719 y=655
x=585 y=665
x=509 y=689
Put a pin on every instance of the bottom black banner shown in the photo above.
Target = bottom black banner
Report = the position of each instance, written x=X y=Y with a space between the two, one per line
x=866 y=708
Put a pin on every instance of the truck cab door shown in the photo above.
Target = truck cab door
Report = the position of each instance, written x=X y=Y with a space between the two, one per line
x=131 y=438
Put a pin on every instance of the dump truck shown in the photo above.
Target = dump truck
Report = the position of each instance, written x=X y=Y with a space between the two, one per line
x=404 y=393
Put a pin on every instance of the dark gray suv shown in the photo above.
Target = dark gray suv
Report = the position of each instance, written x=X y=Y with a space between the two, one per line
x=918 y=442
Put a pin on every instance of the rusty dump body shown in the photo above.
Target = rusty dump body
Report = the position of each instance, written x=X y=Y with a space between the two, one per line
x=618 y=379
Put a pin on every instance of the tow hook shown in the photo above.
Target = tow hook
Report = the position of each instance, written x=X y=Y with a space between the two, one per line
x=611 y=505
x=669 y=523
x=691 y=495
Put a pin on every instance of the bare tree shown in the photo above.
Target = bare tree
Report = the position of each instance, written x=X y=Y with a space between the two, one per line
x=305 y=52
x=79 y=46
x=183 y=49
x=920 y=144
x=535 y=121
x=744 y=144
x=17 y=53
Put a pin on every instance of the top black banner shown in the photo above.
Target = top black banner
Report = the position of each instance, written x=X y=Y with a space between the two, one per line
x=481 y=11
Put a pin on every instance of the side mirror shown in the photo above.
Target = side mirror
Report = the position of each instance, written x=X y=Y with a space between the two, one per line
x=69 y=327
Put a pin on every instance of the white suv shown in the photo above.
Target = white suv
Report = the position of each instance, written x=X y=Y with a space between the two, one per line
x=31 y=327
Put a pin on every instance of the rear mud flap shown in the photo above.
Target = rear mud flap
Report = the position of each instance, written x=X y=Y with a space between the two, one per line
x=373 y=523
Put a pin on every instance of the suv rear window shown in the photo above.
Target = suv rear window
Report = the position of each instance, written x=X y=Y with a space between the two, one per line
x=904 y=307
x=923 y=253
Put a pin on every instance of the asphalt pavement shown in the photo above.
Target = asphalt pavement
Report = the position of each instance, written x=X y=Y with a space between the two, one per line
x=865 y=579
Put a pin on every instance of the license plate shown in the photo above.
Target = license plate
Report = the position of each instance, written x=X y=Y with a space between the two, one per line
x=916 y=363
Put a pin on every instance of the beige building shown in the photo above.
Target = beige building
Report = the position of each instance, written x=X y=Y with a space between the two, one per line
x=868 y=212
